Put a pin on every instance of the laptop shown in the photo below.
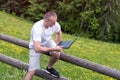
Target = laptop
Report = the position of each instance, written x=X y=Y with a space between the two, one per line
x=67 y=44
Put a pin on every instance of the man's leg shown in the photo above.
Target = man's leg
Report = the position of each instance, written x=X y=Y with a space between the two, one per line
x=54 y=54
x=33 y=64
x=53 y=59
x=29 y=75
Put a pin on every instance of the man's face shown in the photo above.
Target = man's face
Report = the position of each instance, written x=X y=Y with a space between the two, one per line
x=51 y=21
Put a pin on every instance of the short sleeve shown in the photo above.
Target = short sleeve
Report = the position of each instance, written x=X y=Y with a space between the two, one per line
x=58 y=27
x=37 y=31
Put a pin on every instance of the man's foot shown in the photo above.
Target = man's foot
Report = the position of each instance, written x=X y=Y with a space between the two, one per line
x=53 y=72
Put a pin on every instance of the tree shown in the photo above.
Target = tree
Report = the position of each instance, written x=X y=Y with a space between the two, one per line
x=109 y=29
x=14 y=6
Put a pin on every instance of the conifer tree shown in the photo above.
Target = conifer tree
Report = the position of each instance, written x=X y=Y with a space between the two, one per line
x=109 y=29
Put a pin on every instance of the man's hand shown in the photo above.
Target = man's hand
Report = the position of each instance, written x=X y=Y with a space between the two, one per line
x=59 y=48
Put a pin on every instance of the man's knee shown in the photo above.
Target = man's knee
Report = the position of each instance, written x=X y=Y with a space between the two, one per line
x=31 y=73
x=56 y=54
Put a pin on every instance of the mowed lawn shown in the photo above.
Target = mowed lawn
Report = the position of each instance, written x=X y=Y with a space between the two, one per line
x=104 y=53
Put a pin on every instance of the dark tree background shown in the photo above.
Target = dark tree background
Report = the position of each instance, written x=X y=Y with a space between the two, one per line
x=98 y=19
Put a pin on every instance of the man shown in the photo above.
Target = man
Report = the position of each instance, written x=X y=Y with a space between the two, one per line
x=41 y=42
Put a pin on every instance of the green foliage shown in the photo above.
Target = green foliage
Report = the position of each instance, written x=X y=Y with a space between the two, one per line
x=14 y=6
x=35 y=11
x=97 y=19
x=109 y=22
x=69 y=15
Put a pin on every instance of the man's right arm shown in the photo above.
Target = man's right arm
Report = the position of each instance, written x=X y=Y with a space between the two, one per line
x=40 y=49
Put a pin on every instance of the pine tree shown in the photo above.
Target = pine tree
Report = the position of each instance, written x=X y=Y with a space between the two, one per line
x=109 y=22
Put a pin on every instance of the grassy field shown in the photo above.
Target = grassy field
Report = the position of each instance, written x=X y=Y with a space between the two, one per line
x=100 y=52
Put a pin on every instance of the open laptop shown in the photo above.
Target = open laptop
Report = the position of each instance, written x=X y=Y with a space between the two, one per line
x=67 y=44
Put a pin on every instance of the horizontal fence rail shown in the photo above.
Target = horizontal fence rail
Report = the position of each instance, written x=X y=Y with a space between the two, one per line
x=23 y=66
x=71 y=59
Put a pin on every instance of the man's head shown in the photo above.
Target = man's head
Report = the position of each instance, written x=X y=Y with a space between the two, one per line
x=50 y=19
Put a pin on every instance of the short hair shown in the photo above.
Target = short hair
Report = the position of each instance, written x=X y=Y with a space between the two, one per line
x=49 y=14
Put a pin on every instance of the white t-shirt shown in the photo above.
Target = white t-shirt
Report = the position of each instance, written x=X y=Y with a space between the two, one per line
x=42 y=34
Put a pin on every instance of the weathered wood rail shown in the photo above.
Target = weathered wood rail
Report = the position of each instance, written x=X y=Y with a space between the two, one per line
x=71 y=59
x=23 y=66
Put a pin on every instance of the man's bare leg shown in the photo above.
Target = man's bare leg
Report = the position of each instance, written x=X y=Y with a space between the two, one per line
x=53 y=59
x=29 y=75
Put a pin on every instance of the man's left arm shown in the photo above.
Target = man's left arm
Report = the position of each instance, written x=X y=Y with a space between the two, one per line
x=58 y=37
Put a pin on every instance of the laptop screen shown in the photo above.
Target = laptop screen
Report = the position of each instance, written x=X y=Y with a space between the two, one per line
x=66 y=44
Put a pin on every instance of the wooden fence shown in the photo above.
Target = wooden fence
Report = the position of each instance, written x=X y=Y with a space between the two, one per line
x=71 y=59
x=23 y=66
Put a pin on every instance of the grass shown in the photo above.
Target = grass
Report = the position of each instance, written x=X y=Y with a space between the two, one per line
x=99 y=52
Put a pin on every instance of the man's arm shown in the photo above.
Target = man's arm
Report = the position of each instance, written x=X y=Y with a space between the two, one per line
x=58 y=37
x=40 y=49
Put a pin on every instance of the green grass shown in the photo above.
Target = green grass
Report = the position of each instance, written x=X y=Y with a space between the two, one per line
x=100 y=52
